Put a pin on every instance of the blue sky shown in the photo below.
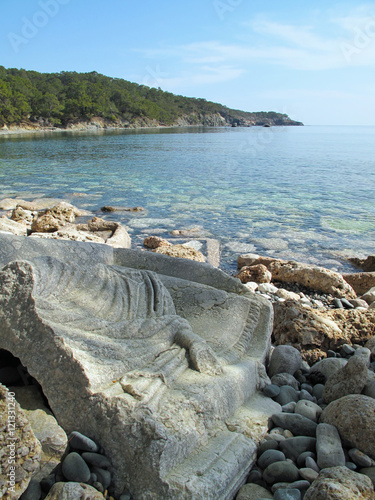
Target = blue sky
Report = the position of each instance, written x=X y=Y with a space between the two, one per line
x=313 y=62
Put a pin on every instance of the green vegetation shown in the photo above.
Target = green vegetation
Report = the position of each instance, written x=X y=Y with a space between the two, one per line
x=59 y=99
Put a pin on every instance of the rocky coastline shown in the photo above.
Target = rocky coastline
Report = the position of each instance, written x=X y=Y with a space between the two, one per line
x=318 y=444
x=98 y=123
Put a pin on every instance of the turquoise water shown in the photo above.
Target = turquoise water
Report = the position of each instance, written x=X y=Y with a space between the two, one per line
x=294 y=192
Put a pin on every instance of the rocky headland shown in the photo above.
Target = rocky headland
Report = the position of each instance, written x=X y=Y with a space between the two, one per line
x=318 y=440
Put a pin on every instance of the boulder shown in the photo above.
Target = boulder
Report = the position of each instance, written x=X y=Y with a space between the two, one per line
x=354 y=418
x=155 y=242
x=367 y=264
x=147 y=356
x=315 y=332
x=71 y=490
x=258 y=274
x=328 y=366
x=316 y=278
x=350 y=379
x=360 y=282
x=181 y=251
x=21 y=452
x=340 y=483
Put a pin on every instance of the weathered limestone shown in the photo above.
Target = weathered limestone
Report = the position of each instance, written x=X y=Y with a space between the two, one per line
x=258 y=273
x=13 y=227
x=360 y=282
x=180 y=251
x=158 y=354
x=155 y=242
x=70 y=491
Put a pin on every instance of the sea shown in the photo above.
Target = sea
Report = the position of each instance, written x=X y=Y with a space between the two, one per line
x=301 y=193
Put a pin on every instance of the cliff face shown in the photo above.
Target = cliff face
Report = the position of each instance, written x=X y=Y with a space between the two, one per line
x=189 y=120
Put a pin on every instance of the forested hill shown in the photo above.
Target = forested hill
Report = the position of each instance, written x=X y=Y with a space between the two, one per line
x=29 y=98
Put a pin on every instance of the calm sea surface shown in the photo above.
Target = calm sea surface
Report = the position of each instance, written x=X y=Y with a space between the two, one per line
x=305 y=193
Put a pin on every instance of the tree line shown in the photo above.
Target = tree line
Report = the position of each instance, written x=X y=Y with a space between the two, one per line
x=58 y=99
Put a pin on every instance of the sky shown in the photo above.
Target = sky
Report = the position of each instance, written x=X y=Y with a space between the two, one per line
x=314 y=61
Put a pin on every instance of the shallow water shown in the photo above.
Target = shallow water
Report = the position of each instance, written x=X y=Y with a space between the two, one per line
x=293 y=192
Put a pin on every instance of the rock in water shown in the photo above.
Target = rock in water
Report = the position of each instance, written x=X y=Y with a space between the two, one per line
x=158 y=353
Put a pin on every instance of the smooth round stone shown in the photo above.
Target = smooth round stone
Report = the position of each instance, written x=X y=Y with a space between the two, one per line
x=351 y=465
x=267 y=444
x=47 y=482
x=360 y=458
x=301 y=459
x=287 y=494
x=287 y=395
x=80 y=442
x=364 y=353
x=301 y=426
x=308 y=409
x=289 y=408
x=287 y=434
x=308 y=474
x=318 y=390
x=276 y=436
x=311 y=464
x=328 y=447
x=33 y=491
x=306 y=387
x=306 y=395
x=269 y=457
x=271 y=390
x=251 y=492
x=293 y=447
x=346 y=304
x=347 y=350
x=104 y=476
x=301 y=485
x=254 y=476
x=281 y=379
x=125 y=496
x=96 y=459
x=331 y=354
x=281 y=471
x=337 y=303
x=75 y=468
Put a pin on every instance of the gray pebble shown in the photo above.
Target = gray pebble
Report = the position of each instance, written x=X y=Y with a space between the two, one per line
x=351 y=465
x=47 y=482
x=287 y=395
x=308 y=409
x=346 y=304
x=306 y=395
x=328 y=447
x=308 y=474
x=301 y=485
x=318 y=390
x=299 y=425
x=369 y=472
x=337 y=303
x=125 y=496
x=33 y=491
x=104 y=476
x=281 y=471
x=347 y=350
x=360 y=458
x=293 y=447
x=80 y=442
x=269 y=457
x=306 y=387
x=267 y=444
x=254 y=476
x=331 y=354
x=289 y=407
x=271 y=390
x=287 y=494
x=96 y=459
x=98 y=486
x=301 y=459
x=75 y=468
x=281 y=379
x=311 y=464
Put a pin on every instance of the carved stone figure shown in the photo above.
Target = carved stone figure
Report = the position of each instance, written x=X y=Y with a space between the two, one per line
x=151 y=356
